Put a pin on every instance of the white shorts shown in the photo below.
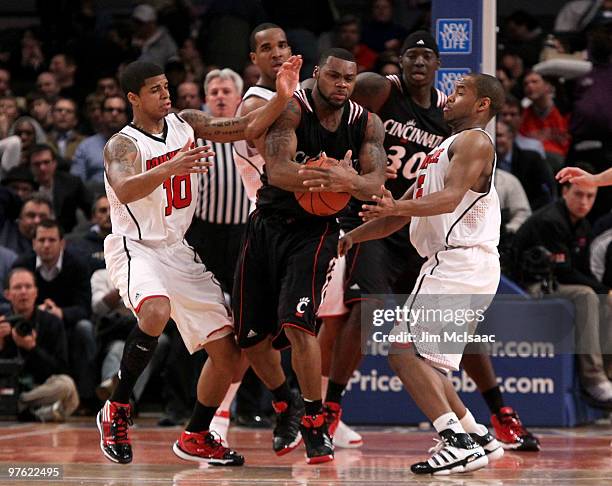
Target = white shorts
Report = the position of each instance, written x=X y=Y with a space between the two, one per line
x=333 y=301
x=457 y=280
x=141 y=272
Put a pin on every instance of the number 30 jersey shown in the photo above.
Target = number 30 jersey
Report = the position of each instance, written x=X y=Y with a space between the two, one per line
x=162 y=217
x=411 y=132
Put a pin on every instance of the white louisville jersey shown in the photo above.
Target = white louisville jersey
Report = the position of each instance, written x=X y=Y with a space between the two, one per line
x=165 y=214
x=248 y=160
x=475 y=221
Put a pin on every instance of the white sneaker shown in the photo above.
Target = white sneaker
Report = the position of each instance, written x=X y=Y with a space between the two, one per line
x=346 y=437
x=602 y=392
x=492 y=447
x=220 y=424
x=454 y=453
x=50 y=413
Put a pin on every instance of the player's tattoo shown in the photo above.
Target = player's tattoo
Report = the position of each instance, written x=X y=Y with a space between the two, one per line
x=208 y=127
x=375 y=154
x=121 y=156
x=281 y=134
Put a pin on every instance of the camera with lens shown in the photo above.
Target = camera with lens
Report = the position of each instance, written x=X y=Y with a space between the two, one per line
x=537 y=266
x=22 y=326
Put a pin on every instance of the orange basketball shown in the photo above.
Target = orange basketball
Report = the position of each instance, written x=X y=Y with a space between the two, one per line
x=322 y=203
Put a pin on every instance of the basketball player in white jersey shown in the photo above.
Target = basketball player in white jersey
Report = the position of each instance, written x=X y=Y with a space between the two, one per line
x=454 y=217
x=148 y=177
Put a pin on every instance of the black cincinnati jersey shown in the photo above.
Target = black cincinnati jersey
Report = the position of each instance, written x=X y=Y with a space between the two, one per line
x=411 y=132
x=312 y=140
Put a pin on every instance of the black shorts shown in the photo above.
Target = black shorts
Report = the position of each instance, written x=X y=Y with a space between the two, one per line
x=387 y=266
x=282 y=272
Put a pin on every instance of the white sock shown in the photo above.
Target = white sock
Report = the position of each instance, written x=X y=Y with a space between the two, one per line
x=229 y=397
x=469 y=424
x=448 y=421
x=324 y=382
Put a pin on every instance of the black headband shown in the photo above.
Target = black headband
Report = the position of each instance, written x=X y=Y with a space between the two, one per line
x=420 y=38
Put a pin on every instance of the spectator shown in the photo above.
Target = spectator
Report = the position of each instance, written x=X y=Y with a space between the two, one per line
x=9 y=110
x=21 y=181
x=7 y=259
x=192 y=60
x=64 y=137
x=5 y=82
x=88 y=161
x=18 y=235
x=219 y=221
x=93 y=113
x=525 y=35
x=39 y=108
x=250 y=76
x=154 y=42
x=47 y=84
x=107 y=86
x=388 y=63
x=348 y=36
x=38 y=338
x=65 y=190
x=188 y=96
x=64 y=68
x=513 y=201
x=31 y=62
x=562 y=229
x=91 y=243
x=30 y=132
x=64 y=290
x=533 y=172
x=381 y=33
x=511 y=115
x=543 y=120
x=601 y=250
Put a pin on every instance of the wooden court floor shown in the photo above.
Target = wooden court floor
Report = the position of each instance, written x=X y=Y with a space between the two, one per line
x=580 y=456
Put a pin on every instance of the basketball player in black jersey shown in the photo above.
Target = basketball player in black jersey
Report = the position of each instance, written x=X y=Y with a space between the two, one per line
x=287 y=253
x=411 y=111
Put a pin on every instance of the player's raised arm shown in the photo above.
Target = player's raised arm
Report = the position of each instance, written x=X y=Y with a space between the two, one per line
x=123 y=167
x=254 y=124
x=576 y=175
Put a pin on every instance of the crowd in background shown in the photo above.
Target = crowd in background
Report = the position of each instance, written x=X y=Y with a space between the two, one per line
x=60 y=101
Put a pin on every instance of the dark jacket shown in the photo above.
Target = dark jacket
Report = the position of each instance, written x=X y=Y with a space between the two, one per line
x=535 y=176
x=552 y=228
x=49 y=356
x=69 y=193
x=91 y=246
x=70 y=290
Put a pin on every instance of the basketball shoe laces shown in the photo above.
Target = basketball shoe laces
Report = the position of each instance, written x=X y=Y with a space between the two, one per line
x=512 y=421
x=440 y=444
x=213 y=441
x=122 y=419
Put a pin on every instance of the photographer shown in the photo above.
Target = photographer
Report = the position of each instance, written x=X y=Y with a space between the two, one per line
x=38 y=338
x=551 y=249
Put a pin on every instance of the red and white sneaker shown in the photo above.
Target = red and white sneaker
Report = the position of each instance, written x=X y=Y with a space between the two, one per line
x=205 y=447
x=220 y=424
x=113 y=422
x=511 y=433
x=347 y=438
x=333 y=413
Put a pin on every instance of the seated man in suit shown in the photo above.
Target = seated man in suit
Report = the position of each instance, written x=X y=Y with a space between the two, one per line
x=67 y=192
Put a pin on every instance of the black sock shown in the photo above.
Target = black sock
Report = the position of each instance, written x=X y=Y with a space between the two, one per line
x=200 y=418
x=334 y=392
x=138 y=350
x=494 y=399
x=313 y=407
x=282 y=393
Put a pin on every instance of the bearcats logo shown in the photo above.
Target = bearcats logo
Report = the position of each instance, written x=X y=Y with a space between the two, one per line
x=301 y=306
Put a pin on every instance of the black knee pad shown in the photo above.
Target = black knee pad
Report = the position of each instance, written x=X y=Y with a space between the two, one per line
x=139 y=348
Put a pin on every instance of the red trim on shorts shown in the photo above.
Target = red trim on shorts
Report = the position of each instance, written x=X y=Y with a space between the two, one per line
x=314 y=266
x=217 y=330
x=137 y=310
x=290 y=324
x=327 y=316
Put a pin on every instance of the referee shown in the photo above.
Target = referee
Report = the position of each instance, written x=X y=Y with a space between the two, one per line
x=223 y=204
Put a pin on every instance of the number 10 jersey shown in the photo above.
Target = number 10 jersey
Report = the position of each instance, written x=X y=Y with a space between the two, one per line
x=163 y=216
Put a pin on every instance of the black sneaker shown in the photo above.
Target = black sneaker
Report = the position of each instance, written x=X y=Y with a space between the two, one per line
x=286 y=434
x=113 y=423
x=318 y=444
x=454 y=453
x=493 y=449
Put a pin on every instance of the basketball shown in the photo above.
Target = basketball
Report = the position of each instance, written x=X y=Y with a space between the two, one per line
x=322 y=203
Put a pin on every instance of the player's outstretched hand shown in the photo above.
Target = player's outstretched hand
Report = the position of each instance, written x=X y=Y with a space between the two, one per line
x=190 y=161
x=575 y=175
x=288 y=77
x=385 y=206
x=345 y=244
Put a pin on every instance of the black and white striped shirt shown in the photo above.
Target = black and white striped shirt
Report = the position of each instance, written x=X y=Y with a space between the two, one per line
x=222 y=198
